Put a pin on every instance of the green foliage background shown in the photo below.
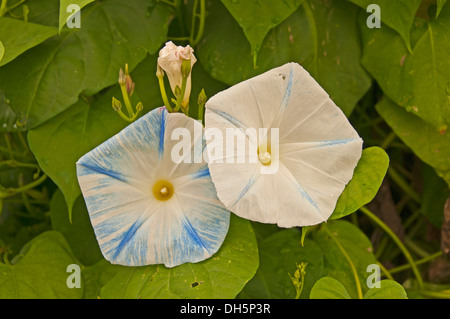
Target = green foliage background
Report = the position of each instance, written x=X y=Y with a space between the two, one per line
x=393 y=82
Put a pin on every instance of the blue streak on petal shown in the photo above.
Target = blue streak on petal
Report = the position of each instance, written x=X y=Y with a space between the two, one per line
x=335 y=142
x=200 y=174
x=229 y=118
x=161 y=132
x=193 y=233
x=128 y=235
x=287 y=93
x=104 y=171
x=250 y=183
x=308 y=198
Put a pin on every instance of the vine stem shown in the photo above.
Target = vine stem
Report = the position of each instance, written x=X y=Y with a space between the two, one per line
x=418 y=262
x=194 y=41
x=349 y=260
x=13 y=191
x=386 y=272
x=388 y=140
x=403 y=185
x=3 y=7
x=399 y=243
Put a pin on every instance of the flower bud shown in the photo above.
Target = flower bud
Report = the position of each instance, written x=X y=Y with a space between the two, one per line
x=171 y=59
x=202 y=98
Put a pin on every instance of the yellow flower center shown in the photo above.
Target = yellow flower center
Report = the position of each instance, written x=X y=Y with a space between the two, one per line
x=264 y=156
x=163 y=190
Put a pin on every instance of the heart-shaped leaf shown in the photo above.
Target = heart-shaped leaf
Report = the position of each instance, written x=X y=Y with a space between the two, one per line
x=364 y=185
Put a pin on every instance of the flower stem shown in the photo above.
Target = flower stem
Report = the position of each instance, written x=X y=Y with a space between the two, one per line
x=181 y=96
x=126 y=99
x=162 y=89
x=399 y=243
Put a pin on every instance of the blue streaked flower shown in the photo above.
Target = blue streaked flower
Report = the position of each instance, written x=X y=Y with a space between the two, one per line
x=144 y=207
x=303 y=170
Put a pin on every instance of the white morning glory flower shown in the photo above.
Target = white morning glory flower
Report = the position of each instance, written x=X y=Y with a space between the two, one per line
x=300 y=172
x=144 y=207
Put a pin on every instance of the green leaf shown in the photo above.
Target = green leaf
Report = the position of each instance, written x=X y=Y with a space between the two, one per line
x=221 y=276
x=329 y=288
x=258 y=17
x=440 y=5
x=47 y=79
x=355 y=244
x=44 y=12
x=2 y=51
x=18 y=36
x=427 y=143
x=322 y=36
x=65 y=14
x=366 y=181
x=96 y=276
x=279 y=254
x=417 y=81
x=389 y=289
x=40 y=270
x=398 y=15
x=78 y=233
x=83 y=127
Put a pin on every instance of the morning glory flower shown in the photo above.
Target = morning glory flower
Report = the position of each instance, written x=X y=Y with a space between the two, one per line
x=145 y=207
x=293 y=177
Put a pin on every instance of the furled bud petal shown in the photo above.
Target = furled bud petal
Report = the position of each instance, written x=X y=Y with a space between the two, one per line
x=121 y=79
x=171 y=59
x=129 y=84
x=117 y=106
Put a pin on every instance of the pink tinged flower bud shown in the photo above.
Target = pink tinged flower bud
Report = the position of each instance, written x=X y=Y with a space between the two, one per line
x=171 y=59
